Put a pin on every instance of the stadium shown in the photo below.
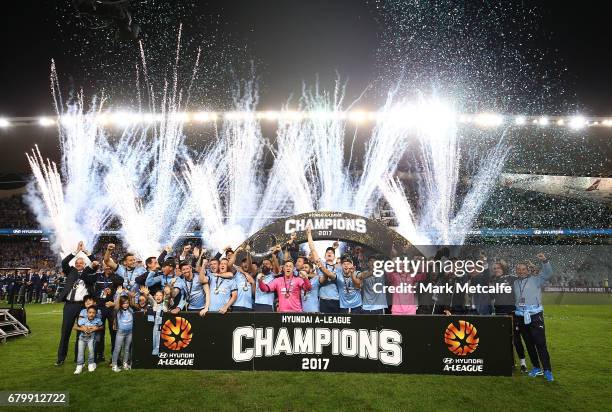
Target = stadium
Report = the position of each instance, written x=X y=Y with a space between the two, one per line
x=175 y=228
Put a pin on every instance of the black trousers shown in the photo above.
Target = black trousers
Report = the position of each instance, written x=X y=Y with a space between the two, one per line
x=37 y=294
x=508 y=310
x=260 y=307
x=70 y=315
x=329 y=306
x=107 y=320
x=534 y=335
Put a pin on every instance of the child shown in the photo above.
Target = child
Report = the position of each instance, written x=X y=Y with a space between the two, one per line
x=124 y=319
x=88 y=301
x=88 y=326
x=158 y=305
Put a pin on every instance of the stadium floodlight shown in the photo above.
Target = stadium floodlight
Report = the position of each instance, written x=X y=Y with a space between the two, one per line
x=291 y=115
x=204 y=116
x=520 y=120
x=46 y=121
x=4 y=122
x=358 y=116
x=577 y=122
x=488 y=119
x=68 y=119
x=543 y=121
x=121 y=118
x=180 y=116
x=268 y=115
x=148 y=118
x=239 y=115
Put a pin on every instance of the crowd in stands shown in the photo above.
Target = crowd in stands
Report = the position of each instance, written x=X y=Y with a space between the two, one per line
x=16 y=214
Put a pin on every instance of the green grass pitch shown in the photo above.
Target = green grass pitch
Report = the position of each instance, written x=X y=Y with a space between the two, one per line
x=579 y=339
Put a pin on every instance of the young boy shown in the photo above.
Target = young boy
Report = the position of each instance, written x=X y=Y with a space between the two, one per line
x=88 y=326
x=88 y=302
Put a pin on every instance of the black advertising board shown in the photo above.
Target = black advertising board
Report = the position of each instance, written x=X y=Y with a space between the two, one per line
x=456 y=345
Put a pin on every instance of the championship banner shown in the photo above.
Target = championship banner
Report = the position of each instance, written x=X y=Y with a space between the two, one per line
x=427 y=344
x=332 y=226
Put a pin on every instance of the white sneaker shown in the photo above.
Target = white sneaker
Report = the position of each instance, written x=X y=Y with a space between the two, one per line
x=126 y=366
x=91 y=367
x=116 y=368
x=78 y=370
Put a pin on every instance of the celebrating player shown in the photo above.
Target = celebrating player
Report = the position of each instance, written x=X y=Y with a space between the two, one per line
x=288 y=288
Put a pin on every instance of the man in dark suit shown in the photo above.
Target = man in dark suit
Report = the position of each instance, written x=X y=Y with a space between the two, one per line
x=80 y=281
x=27 y=281
x=36 y=287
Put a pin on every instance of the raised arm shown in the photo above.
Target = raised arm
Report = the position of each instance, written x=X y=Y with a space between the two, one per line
x=153 y=278
x=286 y=254
x=274 y=259
x=249 y=258
x=263 y=286
x=202 y=277
x=232 y=260
x=201 y=258
x=356 y=278
x=89 y=275
x=66 y=263
x=311 y=245
x=108 y=260
x=307 y=285
x=546 y=271
x=117 y=295
x=162 y=256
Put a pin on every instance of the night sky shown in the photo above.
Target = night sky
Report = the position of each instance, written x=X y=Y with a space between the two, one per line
x=527 y=57
x=290 y=41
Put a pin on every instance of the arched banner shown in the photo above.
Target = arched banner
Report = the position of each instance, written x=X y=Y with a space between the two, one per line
x=332 y=226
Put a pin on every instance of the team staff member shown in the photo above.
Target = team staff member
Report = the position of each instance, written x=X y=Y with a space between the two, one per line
x=329 y=299
x=80 y=281
x=529 y=315
x=106 y=286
